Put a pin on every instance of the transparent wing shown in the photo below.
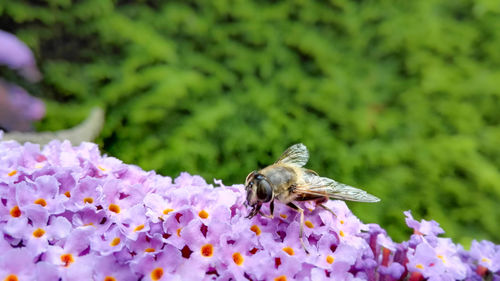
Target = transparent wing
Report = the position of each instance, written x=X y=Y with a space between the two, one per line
x=296 y=155
x=321 y=186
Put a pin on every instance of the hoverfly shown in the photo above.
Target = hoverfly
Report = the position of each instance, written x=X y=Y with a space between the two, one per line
x=287 y=181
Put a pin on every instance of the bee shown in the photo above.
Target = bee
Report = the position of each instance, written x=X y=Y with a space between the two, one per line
x=288 y=181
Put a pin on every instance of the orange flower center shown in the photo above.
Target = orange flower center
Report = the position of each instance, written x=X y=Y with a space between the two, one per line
x=149 y=250
x=12 y=173
x=115 y=241
x=41 y=202
x=68 y=194
x=330 y=259
x=166 y=211
x=207 y=250
x=67 y=259
x=89 y=200
x=15 y=212
x=280 y=278
x=309 y=224
x=38 y=232
x=255 y=229
x=11 y=277
x=289 y=251
x=109 y=278
x=238 y=258
x=114 y=208
x=157 y=273
x=203 y=214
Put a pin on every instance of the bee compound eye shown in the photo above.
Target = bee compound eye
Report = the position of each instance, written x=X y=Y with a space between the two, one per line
x=264 y=191
x=249 y=186
x=249 y=195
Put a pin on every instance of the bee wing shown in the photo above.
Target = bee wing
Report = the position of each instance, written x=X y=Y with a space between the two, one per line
x=296 y=155
x=321 y=186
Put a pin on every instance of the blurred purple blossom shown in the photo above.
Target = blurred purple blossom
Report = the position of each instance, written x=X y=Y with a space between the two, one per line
x=18 y=109
x=68 y=212
x=16 y=55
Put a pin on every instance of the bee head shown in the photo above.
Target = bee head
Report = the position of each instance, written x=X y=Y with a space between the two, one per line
x=258 y=188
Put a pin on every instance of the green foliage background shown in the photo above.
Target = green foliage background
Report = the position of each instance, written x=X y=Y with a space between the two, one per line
x=401 y=98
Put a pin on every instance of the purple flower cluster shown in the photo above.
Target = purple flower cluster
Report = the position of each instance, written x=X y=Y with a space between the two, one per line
x=69 y=213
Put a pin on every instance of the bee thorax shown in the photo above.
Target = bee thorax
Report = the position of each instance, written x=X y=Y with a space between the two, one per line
x=280 y=177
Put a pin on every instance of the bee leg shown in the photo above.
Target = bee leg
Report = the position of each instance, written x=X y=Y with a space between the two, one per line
x=271 y=209
x=328 y=209
x=267 y=216
x=301 y=233
x=254 y=211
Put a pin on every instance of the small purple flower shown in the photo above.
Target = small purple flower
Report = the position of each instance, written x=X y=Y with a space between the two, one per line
x=36 y=234
x=16 y=264
x=109 y=242
x=107 y=268
x=157 y=207
x=392 y=271
x=442 y=260
x=424 y=227
x=71 y=256
x=486 y=254
x=44 y=191
x=425 y=260
x=448 y=253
